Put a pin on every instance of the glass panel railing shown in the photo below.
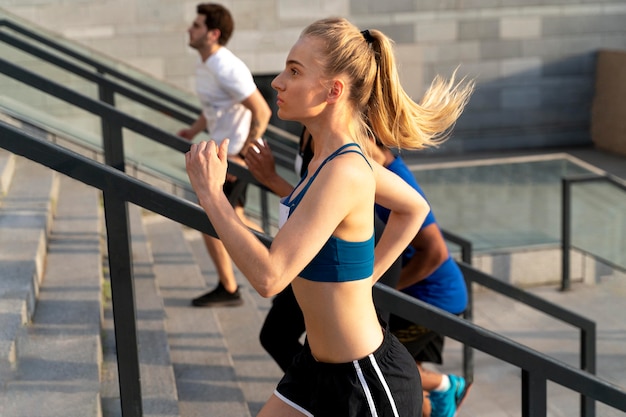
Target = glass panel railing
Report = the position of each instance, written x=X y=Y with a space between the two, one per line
x=598 y=221
x=44 y=111
x=30 y=48
x=499 y=205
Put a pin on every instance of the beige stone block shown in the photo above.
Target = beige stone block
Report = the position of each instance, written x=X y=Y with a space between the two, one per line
x=269 y=63
x=310 y=10
x=151 y=66
x=113 y=12
x=520 y=27
x=158 y=44
x=89 y=32
x=118 y=47
x=437 y=31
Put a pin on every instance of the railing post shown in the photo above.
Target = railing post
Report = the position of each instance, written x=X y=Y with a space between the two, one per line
x=565 y=234
x=468 y=314
x=265 y=213
x=123 y=298
x=534 y=394
x=122 y=282
x=588 y=363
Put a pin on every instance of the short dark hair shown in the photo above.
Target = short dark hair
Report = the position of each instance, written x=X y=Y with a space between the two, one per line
x=217 y=16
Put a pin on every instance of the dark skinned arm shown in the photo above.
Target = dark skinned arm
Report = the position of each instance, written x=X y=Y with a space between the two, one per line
x=430 y=252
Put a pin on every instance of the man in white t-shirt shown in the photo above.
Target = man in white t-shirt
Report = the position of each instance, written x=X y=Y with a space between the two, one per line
x=233 y=108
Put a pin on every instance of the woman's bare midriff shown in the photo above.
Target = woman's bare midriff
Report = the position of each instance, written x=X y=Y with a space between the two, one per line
x=340 y=325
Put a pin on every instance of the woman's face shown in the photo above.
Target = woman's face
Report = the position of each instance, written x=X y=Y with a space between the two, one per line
x=300 y=86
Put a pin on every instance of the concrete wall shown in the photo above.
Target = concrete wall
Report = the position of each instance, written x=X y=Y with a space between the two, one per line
x=534 y=60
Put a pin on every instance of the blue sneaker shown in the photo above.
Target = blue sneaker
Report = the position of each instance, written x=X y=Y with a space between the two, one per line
x=446 y=403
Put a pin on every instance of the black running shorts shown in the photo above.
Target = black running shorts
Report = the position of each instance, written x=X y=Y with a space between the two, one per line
x=386 y=383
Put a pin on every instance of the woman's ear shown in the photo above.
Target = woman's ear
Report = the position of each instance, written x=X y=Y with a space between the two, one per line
x=336 y=91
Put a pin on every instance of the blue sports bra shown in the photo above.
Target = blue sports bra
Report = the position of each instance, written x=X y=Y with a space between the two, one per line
x=338 y=260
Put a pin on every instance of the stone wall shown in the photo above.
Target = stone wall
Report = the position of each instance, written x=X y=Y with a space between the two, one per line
x=533 y=60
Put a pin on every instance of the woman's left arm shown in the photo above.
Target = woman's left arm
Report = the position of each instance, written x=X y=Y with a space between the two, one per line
x=408 y=211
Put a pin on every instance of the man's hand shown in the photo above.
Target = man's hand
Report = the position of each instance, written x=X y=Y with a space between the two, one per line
x=186 y=134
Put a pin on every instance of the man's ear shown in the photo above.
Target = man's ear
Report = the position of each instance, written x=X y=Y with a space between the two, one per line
x=336 y=91
x=214 y=34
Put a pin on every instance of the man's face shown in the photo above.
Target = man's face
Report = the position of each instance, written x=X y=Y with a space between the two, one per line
x=199 y=34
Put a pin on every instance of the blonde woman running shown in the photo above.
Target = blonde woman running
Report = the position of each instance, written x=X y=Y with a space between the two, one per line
x=337 y=82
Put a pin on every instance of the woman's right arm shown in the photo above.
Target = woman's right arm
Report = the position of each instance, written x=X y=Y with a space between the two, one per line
x=319 y=213
x=408 y=212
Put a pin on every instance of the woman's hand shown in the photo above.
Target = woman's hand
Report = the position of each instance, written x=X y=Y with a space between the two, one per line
x=206 y=166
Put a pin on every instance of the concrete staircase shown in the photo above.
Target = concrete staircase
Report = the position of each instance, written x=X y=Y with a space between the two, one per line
x=50 y=297
x=57 y=341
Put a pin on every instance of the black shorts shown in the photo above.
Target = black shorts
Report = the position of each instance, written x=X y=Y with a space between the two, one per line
x=422 y=343
x=386 y=383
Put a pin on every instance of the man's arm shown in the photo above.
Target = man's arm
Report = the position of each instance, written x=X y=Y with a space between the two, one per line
x=198 y=126
x=430 y=252
x=261 y=114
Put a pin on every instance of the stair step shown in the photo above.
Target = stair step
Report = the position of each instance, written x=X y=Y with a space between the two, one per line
x=206 y=380
x=25 y=217
x=59 y=356
x=256 y=371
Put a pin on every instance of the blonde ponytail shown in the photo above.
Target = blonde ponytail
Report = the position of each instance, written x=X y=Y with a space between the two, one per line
x=382 y=107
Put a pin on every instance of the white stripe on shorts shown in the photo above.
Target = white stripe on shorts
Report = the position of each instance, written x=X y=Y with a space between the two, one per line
x=384 y=383
x=366 y=388
x=292 y=404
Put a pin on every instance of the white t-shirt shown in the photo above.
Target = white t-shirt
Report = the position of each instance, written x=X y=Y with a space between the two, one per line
x=223 y=81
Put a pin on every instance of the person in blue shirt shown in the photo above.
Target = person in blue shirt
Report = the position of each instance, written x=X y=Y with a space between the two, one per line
x=431 y=275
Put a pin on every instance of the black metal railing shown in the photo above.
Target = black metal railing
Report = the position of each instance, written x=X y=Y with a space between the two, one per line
x=111 y=82
x=120 y=189
x=566 y=217
x=586 y=327
x=466 y=257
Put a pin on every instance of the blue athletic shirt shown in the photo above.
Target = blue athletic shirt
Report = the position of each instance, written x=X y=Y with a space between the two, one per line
x=338 y=260
x=445 y=287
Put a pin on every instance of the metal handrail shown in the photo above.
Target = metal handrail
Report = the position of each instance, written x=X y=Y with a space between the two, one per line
x=112 y=116
x=587 y=327
x=120 y=189
x=98 y=66
x=109 y=87
x=566 y=215
x=468 y=314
